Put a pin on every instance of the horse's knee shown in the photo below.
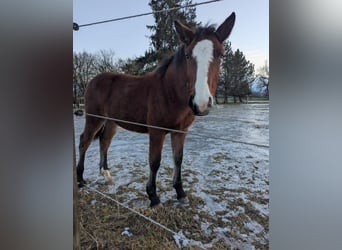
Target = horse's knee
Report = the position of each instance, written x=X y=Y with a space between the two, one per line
x=178 y=159
x=155 y=164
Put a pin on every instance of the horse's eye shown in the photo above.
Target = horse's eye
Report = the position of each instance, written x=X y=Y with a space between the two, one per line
x=219 y=55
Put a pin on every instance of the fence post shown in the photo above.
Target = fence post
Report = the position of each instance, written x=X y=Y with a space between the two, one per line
x=76 y=226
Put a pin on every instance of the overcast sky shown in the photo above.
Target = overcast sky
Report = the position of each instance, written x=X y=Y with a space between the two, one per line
x=129 y=38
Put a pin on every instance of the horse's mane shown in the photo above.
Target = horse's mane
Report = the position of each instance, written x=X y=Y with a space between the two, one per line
x=206 y=30
x=165 y=63
x=179 y=55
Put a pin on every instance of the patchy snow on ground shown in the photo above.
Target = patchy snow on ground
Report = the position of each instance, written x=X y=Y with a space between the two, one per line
x=229 y=180
x=126 y=232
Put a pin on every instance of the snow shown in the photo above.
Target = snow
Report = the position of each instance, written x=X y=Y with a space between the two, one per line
x=205 y=228
x=254 y=227
x=222 y=174
x=181 y=240
x=126 y=232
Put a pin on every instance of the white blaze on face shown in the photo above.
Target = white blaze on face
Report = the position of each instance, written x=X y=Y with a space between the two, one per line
x=203 y=53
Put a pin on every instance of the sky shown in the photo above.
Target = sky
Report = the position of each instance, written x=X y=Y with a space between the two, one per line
x=130 y=38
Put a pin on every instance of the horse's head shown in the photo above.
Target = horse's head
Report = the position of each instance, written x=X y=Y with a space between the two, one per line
x=203 y=49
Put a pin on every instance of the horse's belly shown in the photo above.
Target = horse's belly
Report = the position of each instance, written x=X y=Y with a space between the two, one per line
x=133 y=127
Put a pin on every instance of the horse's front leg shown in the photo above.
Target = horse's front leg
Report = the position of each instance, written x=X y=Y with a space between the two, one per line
x=177 y=142
x=155 y=151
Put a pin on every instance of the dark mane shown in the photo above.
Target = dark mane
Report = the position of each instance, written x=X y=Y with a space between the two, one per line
x=164 y=64
x=161 y=69
x=206 y=30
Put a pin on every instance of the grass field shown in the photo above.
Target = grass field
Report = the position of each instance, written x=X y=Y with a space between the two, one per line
x=226 y=183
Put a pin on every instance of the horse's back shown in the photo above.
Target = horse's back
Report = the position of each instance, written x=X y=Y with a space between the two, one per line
x=119 y=96
x=106 y=87
x=102 y=83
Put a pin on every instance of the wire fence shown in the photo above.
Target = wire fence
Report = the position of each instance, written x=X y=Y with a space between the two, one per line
x=180 y=239
x=177 y=131
x=77 y=26
x=178 y=234
x=130 y=209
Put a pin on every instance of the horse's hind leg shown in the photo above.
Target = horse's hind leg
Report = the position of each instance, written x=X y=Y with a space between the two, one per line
x=106 y=136
x=177 y=142
x=92 y=126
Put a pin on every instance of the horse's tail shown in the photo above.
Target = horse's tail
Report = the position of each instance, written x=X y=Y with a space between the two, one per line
x=99 y=132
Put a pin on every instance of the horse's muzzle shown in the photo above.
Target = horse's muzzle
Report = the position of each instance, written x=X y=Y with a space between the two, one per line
x=195 y=108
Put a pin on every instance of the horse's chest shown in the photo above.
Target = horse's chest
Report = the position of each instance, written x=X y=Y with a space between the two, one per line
x=173 y=119
x=187 y=120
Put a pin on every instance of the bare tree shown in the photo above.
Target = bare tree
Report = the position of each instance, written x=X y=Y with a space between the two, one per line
x=264 y=74
x=104 y=61
x=264 y=70
x=83 y=70
x=87 y=65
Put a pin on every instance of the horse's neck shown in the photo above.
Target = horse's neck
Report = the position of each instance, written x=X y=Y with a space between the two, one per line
x=175 y=80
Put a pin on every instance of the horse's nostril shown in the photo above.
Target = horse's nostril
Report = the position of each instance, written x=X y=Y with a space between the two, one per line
x=191 y=101
x=210 y=103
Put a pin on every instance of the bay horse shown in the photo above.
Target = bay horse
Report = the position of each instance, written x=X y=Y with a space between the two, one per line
x=180 y=88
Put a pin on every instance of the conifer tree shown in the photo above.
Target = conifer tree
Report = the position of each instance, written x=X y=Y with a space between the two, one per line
x=242 y=74
x=235 y=75
x=164 y=39
x=225 y=74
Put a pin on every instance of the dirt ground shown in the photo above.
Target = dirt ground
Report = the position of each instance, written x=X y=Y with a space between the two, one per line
x=226 y=183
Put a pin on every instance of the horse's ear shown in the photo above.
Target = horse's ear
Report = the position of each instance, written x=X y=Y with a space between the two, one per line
x=225 y=28
x=184 y=33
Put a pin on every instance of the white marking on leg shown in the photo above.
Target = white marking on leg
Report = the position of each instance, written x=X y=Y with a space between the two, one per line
x=203 y=52
x=108 y=177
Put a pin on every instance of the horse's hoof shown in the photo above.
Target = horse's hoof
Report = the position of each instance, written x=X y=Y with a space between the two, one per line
x=108 y=177
x=110 y=182
x=155 y=202
x=159 y=205
x=81 y=183
x=183 y=200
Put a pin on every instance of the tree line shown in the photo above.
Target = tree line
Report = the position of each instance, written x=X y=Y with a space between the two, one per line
x=236 y=71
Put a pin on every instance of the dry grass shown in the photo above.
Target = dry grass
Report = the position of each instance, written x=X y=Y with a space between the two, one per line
x=102 y=223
